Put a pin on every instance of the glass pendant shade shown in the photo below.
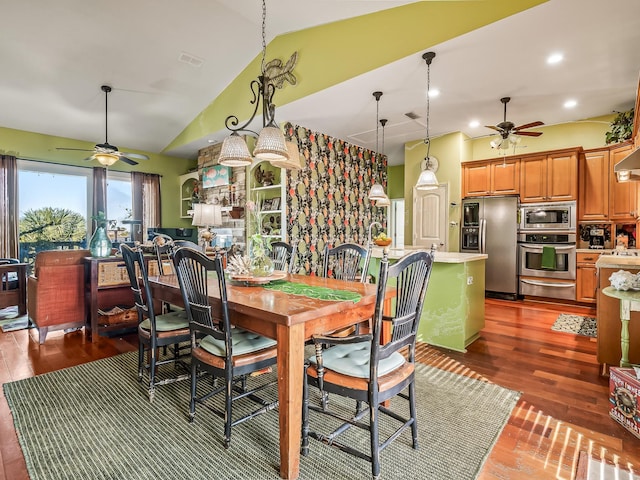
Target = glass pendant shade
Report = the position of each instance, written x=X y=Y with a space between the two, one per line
x=106 y=159
x=427 y=180
x=383 y=202
x=234 y=152
x=377 y=192
x=271 y=145
x=294 y=162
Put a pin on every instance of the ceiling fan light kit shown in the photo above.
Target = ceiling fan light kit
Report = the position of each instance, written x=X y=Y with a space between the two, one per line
x=427 y=179
x=105 y=153
x=510 y=135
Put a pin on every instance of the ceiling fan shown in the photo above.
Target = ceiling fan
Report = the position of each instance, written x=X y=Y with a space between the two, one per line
x=105 y=153
x=509 y=133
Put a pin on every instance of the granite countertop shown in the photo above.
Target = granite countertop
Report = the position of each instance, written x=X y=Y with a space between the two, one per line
x=618 y=261
x=440 y=257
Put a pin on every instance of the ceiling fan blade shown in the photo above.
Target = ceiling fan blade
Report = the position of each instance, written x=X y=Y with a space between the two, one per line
x=529 y=134
x=528 y=125
x=89 y=158
x=137 y=156
x=494 y=128
x=128 y=160
x=76 y=149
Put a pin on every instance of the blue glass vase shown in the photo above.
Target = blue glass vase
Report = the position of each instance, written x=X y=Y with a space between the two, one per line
x=100 y=243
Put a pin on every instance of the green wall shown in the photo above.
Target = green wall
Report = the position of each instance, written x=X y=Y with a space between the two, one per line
x=35 y=146
x=395 y=181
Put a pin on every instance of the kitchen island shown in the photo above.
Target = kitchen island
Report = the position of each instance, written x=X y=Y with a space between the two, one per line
x=453 y=312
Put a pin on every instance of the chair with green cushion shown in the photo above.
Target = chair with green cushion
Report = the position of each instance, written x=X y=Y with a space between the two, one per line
x=282 y=256
x=359 y=367
x=225 y=352
x=154 y=331
x=348 y=261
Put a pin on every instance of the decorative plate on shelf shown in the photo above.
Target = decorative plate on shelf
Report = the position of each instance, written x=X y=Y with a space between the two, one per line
x=251 y=280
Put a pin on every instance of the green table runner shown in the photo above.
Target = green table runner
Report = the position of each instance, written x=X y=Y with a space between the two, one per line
x=311 y=291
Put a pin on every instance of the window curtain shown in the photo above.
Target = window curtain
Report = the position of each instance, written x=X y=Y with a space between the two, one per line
x=99 y=193
x=146 y=202
x=9 y=221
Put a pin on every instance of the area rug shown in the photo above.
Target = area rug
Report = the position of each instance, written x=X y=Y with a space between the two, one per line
x=576 y=324
x=94 y=421
x=10 y=320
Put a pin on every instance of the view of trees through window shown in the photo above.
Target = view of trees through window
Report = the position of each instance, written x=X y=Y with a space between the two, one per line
x=54 y=203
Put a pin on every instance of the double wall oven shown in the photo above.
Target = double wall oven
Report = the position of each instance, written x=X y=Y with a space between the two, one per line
x=547 y=250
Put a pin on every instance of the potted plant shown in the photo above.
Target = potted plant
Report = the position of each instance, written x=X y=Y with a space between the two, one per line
x=621 y=128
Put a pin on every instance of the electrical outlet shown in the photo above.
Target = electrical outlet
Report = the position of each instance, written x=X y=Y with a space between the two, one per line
x=469 y=280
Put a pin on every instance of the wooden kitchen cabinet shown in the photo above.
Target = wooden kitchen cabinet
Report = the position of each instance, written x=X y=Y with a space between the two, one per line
x=586 y=277
x=497 y=177
x=594 y=178
x=549 y=178
x=609 y=325
x=623 y=196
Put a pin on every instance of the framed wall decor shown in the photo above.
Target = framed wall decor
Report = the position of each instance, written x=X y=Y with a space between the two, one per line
x=215 y=176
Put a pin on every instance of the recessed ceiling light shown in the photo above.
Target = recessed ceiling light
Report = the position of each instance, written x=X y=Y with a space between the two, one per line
x=474 y=124
x=570 y=104
x=555 y=58
x=434 y=92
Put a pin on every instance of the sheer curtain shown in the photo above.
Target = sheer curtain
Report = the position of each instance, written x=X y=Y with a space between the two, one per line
x=146 y=202
x=9 y=215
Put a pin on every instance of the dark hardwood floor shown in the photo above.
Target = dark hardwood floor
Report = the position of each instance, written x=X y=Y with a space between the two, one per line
x=563 y=409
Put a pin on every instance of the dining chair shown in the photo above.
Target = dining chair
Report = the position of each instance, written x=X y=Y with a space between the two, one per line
x=163 y=248
x=155 y=331
x=282 y=256
x=348 y=261
x=225 y=352
x=186 y=243
x=360 y=368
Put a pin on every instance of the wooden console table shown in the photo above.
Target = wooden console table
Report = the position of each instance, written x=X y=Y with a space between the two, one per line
x=629 y=301
x=107 y=286
x=10 y=296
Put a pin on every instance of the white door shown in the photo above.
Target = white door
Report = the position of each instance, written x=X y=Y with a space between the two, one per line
x=430 y=217
x=396 y=222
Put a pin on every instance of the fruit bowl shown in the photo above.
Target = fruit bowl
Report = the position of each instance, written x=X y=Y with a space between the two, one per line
x=383 y=242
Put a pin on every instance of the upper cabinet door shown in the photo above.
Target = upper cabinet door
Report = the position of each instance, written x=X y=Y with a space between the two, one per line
x=533 y=179
x=505 y=177
x=623 y=196
x=593 y=196
x=476 y=179
x=562 y=176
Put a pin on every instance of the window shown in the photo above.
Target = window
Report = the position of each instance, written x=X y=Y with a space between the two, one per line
x=120 y=207
x=53 y=205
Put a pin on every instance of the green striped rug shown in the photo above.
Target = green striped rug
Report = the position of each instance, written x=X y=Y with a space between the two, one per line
x=94 y=422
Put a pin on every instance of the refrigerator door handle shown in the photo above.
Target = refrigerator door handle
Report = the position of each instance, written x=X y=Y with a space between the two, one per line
x=483 y=236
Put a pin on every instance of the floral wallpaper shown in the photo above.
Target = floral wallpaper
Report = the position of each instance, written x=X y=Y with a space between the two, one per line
x=327 y=200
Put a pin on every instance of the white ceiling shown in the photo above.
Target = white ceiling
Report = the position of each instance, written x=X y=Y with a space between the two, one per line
x=55 y=55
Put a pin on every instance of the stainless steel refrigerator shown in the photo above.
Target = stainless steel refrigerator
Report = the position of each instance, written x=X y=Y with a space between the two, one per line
x=490 y=225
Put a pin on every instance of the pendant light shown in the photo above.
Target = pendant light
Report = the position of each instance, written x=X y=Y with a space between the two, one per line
x=383 y=202
x=427 y=179
x=377 y=192
x=270 y=145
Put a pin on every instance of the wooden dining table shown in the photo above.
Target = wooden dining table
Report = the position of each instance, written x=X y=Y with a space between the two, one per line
x=291 y=320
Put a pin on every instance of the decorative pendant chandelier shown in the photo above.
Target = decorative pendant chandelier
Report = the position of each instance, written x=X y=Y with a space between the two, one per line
x=377 y=192
x=427 y=179
x=271 y=144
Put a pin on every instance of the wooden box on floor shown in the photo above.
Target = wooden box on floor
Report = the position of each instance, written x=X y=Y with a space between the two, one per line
x=624 y=390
